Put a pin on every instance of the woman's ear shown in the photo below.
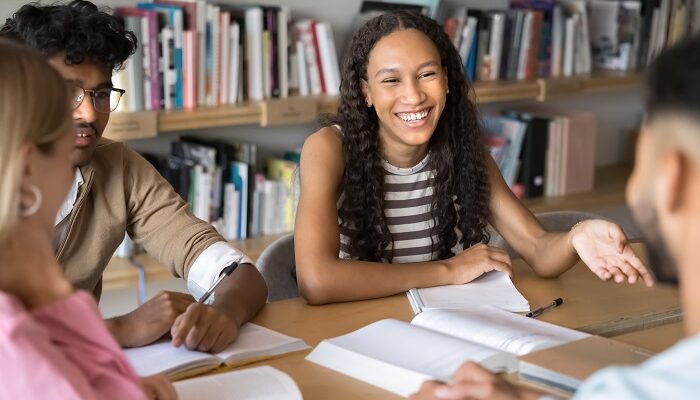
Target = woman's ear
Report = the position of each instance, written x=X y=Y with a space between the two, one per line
x=674 y=167
x=365 y=92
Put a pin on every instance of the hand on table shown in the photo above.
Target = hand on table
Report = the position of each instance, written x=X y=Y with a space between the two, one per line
x=476 y=261
x=471 y=381
x=150 y=321
x=603 y=246
x=158 y=387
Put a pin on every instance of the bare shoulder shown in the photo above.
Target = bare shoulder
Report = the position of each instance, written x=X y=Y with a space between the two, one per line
x=326 y=139
x=323 y=149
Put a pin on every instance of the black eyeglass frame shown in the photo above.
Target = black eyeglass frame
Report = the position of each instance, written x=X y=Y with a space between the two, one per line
x=91 y=92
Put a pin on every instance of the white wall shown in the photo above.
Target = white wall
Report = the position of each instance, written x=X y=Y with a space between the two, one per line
x=618 y=112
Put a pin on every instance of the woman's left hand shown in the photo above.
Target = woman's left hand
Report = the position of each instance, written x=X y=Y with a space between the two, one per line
x=603 y=246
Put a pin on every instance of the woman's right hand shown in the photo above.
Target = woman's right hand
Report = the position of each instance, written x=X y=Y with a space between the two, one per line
x=476 y=261
x=158 y=387
x=28 y=267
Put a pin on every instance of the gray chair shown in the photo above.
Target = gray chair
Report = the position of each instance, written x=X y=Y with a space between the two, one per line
x=277 y=266
x=556 y=221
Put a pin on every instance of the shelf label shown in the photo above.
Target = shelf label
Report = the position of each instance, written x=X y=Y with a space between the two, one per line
x=132 y=125
x=294 y=110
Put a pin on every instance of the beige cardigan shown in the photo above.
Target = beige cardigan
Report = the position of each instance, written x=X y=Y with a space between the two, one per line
x=123 y=192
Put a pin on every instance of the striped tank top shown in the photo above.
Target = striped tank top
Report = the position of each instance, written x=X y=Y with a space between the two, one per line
x=408 y=193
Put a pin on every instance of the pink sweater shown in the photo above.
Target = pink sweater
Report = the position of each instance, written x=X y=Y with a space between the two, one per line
x=61 y=351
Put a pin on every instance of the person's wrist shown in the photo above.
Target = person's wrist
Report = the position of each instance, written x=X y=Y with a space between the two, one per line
x=447 y=272
x=573 y=232
x=119 y=327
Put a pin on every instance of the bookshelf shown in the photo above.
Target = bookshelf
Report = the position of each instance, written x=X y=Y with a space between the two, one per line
x=297 y=110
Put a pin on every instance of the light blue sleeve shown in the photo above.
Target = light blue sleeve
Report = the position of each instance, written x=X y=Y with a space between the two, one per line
x=673 y=374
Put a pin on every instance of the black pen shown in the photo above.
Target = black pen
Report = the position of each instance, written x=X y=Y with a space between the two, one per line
x=224 y=273
x=555 y=303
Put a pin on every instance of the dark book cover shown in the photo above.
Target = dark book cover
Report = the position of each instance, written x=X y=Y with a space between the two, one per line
x=270 y=25
x=507 y=47
x=533 y=155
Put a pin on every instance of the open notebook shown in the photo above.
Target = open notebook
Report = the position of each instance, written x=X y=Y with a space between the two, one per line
x=398 y=356
x=254 y=343
x=259 y=383
x=494 y=288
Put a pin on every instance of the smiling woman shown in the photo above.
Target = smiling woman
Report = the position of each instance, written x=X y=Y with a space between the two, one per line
x=398 y=190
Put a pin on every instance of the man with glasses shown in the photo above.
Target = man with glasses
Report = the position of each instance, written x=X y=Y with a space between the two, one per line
x=116 y=191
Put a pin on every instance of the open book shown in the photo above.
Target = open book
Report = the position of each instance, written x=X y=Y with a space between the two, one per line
x=494 y=288
x=399 y=357
x=254 y=343
x=259 y=383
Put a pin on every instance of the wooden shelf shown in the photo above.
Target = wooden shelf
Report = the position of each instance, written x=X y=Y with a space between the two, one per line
x=609 y=191
x=499 y=91
x=294 y=110
x=598 y=81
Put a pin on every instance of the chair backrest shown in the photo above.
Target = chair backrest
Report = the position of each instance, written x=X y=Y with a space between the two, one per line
x=553 y=221
x=278 y=268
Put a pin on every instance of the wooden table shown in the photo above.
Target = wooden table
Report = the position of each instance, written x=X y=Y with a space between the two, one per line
x=591 y=305
x=656 y=339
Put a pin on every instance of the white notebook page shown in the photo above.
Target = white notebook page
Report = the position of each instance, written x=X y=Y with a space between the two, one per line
x=497 y=328
x=260 y=383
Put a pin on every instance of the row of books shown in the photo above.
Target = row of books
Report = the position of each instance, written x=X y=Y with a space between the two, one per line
x=543 y=38
x=222 y=184
x=530 y=39
x=193 y=53
x=628 y=34
x=543 y=153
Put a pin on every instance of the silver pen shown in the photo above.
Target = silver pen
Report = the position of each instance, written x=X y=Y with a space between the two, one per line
x=224 y=273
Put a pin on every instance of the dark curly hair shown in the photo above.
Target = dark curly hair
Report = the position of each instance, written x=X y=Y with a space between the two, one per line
x=457 y=150
x=79 y=29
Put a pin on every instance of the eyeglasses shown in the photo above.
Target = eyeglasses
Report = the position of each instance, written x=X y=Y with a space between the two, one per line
x=104 y=100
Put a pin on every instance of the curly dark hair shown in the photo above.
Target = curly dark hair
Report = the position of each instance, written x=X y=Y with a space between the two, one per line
x=457 y=150
x=79 y=29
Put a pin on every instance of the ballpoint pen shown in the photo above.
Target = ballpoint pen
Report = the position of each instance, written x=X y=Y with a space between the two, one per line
x=224 y=273
x=555 y=303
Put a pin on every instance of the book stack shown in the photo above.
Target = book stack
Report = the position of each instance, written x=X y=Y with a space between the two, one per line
x=223 y=186
x=543 y=153
x=193 y=53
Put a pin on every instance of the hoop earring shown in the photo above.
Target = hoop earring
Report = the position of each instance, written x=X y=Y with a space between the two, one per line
x=28 y=212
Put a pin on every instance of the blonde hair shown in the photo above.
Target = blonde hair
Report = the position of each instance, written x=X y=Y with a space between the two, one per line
x=34 y=108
